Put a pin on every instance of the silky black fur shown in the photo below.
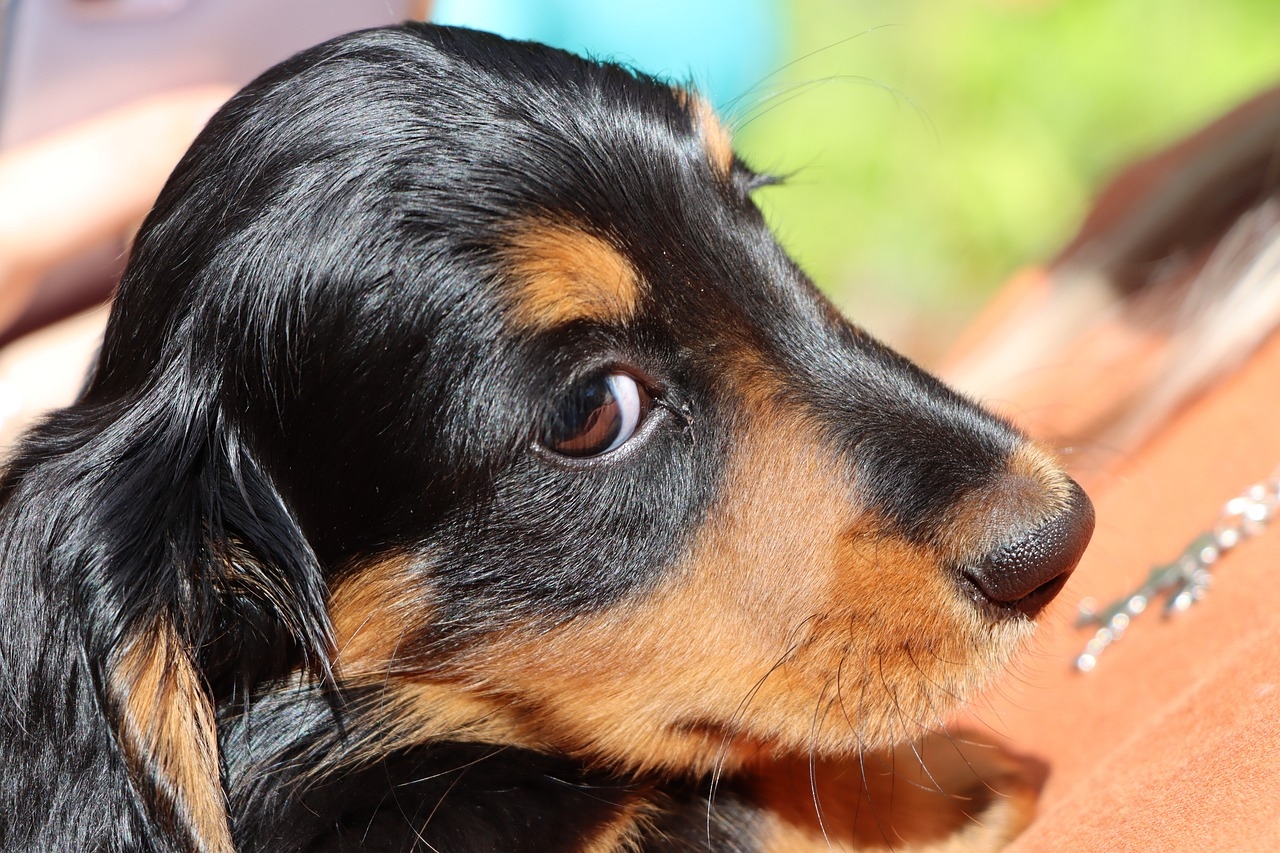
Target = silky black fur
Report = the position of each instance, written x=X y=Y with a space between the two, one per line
x=307 y=368
x=457 y=796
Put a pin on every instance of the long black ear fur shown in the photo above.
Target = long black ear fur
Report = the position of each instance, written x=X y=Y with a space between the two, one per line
x=142 y=551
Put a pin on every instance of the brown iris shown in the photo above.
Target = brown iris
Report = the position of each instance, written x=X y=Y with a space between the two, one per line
x=598 y=416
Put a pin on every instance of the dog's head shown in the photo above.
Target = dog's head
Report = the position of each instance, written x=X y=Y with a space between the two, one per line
x=465 y=376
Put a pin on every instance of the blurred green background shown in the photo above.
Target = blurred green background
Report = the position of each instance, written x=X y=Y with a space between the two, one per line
x=935 y=147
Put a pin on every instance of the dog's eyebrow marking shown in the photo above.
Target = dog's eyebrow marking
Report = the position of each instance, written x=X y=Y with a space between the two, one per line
x=715 y=136
x=560 y=274
x=169 y=732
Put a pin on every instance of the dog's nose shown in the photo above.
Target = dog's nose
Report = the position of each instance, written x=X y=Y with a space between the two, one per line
x=1024 y=575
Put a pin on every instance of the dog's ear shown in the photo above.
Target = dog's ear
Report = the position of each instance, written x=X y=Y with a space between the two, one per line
x=164 y=720
x=152 y=537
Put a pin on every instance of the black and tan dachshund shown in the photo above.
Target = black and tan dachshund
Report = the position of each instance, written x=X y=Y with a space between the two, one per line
x=465 y=468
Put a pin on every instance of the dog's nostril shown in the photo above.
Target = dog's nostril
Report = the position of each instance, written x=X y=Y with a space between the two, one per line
x=1024 y=575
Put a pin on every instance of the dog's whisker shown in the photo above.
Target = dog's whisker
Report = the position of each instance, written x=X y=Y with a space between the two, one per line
x=731 y=106
x=819 y=715
x=976 y=772
x=786 y=94
x=867 y=795
x=722 y=754
x=465 y=766
x=957 y=700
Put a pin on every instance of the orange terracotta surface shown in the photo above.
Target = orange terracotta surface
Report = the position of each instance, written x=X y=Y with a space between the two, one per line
x=1171 y=743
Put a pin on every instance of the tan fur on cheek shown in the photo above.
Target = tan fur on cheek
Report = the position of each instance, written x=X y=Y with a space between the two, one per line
x=560 y=274
x=372 y=611
x=624 y=831
x=169 y=734
x=795 y=623
x=375 y=609
x=635 y=683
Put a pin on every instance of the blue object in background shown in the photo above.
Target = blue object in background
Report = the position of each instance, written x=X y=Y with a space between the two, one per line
x=725 y=47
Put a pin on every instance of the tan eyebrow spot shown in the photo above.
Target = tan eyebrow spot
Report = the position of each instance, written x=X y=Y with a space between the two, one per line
x=715 y=136
x=560 y=274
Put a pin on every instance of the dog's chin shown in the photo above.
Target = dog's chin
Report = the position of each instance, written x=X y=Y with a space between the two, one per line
x=837 y=712
x=830 y=698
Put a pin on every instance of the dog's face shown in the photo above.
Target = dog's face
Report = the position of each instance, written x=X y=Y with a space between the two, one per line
x=578 y=458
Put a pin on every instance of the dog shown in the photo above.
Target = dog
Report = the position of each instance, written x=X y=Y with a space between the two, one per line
x=466 y=467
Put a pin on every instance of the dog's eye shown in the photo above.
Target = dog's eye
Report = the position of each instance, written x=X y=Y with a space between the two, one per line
x=598 y=416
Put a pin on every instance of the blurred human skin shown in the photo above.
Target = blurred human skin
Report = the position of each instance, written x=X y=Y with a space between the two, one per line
x=60 y=196
x=65 y=193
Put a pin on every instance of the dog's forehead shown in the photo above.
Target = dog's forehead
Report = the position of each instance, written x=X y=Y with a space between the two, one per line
x=648 y=226
x=589 y=187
